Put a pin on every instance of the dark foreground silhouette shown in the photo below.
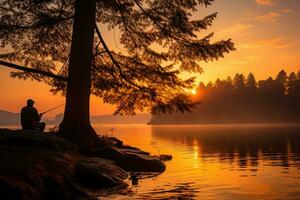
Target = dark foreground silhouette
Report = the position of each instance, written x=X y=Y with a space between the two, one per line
x=30 y=117
x=44 y=166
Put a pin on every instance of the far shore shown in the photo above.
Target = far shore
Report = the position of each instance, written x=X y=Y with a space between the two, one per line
x=179 y=124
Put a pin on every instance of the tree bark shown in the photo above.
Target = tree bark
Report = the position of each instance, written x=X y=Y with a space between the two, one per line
x=76 y=122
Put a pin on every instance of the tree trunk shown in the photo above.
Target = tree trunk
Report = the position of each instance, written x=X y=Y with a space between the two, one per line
x=76 y=122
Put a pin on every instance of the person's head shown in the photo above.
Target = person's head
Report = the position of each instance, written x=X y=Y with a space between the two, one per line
x=30 y=102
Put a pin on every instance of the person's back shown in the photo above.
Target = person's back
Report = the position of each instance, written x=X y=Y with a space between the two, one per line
x=30 y=118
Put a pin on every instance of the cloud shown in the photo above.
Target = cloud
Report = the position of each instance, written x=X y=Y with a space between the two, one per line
x=238 y=28
x=252 y=57
x=273 y=43
x=269 y=17
x=265 y=2
x=287 y=10
x=237 y=62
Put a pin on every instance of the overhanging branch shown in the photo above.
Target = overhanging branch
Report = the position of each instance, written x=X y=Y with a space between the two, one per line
x=114 y=61
x=155 y=22
x=31 y=70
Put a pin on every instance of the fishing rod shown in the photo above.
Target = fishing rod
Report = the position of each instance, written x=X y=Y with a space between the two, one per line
x=51 y=109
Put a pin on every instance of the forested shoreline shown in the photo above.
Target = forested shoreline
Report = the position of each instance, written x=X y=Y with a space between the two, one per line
x=243 y=99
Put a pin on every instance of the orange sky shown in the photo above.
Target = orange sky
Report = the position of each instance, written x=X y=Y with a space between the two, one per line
x=265 y=33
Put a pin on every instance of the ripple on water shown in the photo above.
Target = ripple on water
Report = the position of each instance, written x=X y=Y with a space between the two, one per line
x=218 y=162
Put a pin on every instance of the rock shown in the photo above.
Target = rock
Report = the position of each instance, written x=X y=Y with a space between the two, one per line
x=115 y=141
x=142 y=163
x=165 y=157
x=137 y=151
x=14 y=190
x=27 y=173
x=129 y=147
x=134 y=178
x=132 y=161
x=35 y=140
x=35 y=166
x=99 y=173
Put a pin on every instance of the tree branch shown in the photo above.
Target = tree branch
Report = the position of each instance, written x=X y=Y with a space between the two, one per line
x=114 y=61
x=157 y=23
x=35 y=25
x=30 y=70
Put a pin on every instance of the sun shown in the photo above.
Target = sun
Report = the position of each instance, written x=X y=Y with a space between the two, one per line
x=193 y=91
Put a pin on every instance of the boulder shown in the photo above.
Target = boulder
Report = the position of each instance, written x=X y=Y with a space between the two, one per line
x=27 y=173
x=35 y=166
x=99 y=173
x=36 y=140
x=165 y=157
x=131 y=160
x=15 y=190
x=137 y=151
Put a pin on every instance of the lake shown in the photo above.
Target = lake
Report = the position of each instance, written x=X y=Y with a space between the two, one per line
x=222 y=162
x=216 y=162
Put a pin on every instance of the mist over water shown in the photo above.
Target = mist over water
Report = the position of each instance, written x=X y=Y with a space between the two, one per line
x=221 y=162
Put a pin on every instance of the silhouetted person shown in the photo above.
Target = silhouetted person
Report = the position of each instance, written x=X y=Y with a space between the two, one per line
x=30 y=118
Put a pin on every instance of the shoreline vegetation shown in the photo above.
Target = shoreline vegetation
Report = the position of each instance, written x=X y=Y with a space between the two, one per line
x=242 y=100
x=37 y=165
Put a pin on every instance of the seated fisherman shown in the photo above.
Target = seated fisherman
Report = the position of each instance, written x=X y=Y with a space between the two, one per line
x=30 y=118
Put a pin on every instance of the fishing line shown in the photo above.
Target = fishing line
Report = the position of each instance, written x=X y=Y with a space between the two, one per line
x=52 y=109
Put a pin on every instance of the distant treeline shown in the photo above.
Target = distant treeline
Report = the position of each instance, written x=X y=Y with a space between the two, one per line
x=243 y=100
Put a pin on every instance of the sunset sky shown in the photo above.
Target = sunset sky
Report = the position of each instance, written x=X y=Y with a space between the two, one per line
x=266 y=34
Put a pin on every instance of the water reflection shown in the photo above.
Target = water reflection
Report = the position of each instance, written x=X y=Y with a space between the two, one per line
x=218 y=162
x=168 y=191
x=244 y=145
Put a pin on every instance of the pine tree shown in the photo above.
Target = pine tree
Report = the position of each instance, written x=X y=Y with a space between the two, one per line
x=239 y=81
x=291 y=84
x=251 y=82
x=280 y=83
x=42 y=34
x=281 y=77
x=266 y=86
x=229 y=82
x=209 y=85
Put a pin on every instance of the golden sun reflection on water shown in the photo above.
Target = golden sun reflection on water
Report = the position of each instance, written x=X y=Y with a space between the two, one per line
x=218 y=162
x=197 y=153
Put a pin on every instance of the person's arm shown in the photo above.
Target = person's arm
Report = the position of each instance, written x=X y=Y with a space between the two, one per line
x=40 y=116
x=22 y=116
x=37 y=117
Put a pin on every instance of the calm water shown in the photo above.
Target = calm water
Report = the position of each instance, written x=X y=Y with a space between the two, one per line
x=222 y=162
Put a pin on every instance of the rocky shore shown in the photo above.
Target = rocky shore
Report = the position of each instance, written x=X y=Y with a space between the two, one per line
x=37 y=165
